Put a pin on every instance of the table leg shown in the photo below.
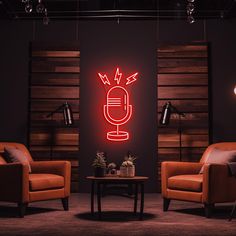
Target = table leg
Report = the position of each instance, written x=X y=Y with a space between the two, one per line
x=99 y=199
x=142 y=201
x=232 y=212
x=92 y=198
x=136 y=198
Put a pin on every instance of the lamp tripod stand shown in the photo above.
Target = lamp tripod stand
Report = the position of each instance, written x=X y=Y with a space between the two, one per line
x=68 y=121
x=167 y=110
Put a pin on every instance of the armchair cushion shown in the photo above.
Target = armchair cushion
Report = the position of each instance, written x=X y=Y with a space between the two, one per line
x=14 y=155
x=218 y=156
x=45 y=181
x=186 y=182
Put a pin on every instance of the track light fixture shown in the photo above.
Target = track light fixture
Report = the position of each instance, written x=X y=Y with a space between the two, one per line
x=40 y=9
x=46 y=19
x=190 y=19
x=28 y=6
x=190 y=8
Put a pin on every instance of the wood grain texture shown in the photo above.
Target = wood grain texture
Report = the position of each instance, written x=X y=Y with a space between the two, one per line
x=189 y=105
x=182 y=65
x=54 y=66
x=197 y=92
x=54 y=80
x=172 y=154
x=50 y=105
x=182 y=79
x=182 y=48
x=190 y=120
x=54 y=92
x=41 y=136
x=57 y=118
x=188 y=140
x=56 y=54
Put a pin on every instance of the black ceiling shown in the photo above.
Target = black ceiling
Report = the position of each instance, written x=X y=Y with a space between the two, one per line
x=129 y=9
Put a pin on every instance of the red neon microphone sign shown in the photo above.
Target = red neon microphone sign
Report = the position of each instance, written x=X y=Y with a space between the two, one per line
x=117 y=110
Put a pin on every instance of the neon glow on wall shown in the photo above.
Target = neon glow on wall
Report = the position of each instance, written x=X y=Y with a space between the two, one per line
x=117 y=110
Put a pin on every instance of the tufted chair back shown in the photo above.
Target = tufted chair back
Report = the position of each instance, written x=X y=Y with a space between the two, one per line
x=13 y=145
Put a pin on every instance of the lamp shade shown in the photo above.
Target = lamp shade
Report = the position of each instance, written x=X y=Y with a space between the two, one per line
x=165 y=114
x=68 y=115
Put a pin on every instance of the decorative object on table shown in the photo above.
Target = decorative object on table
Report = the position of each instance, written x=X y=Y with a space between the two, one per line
x=111 y=168
x=127 y=168
x=99 y=164
x=68 y=120
x=167 y=110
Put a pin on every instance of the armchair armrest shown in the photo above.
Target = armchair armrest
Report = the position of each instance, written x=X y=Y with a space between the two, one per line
x=62 y=168
x=14 y=182
x=52 y=167
x=218 y=184
x=172 y=168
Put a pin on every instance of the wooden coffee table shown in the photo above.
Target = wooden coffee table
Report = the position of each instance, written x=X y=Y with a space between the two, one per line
x=136 y=181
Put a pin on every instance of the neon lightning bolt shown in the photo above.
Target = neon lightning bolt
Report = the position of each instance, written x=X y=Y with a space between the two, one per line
x=104 y=79
x=118 y=76
x=131 y=78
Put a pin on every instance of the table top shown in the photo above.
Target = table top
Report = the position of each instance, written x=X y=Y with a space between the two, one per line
x=118 y=179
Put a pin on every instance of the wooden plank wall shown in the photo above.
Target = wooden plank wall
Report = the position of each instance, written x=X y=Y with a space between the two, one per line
x=182 y=79
x=54 y=79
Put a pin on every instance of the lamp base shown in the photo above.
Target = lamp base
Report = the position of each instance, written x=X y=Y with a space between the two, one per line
x=118 y=136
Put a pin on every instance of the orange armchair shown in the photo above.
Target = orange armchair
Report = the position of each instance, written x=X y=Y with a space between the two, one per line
x=47 y=180
x=182 y=181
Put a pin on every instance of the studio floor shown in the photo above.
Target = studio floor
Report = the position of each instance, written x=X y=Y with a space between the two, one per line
x=183 y=218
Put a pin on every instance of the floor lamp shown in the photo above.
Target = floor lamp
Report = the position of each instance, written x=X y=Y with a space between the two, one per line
x=65 y=108
x=167 y=110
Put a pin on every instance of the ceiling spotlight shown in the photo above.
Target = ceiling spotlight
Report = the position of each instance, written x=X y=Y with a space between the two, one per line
x=222 y=14
x=191 y=19
x=190 y=8
x=40 y=7
x=46 y=19
x=28 y=7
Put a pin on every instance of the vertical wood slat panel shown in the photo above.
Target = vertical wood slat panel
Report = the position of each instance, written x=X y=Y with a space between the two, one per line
x=54 y=80
x=182 y=79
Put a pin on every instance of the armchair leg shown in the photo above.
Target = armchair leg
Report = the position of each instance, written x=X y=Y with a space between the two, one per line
x=65 y=203
x=208 y=209
x=166 y=203
x=22 y=209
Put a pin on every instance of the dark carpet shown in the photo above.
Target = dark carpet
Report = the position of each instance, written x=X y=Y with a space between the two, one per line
x=183 y=218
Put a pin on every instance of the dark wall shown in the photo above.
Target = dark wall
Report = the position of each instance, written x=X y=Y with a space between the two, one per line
x=132 y=45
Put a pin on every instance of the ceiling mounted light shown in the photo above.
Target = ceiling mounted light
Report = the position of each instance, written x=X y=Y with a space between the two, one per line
x=190 y=8
x=28 y=7
x=190 y=19
x=46 y=19
x=40 y=7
